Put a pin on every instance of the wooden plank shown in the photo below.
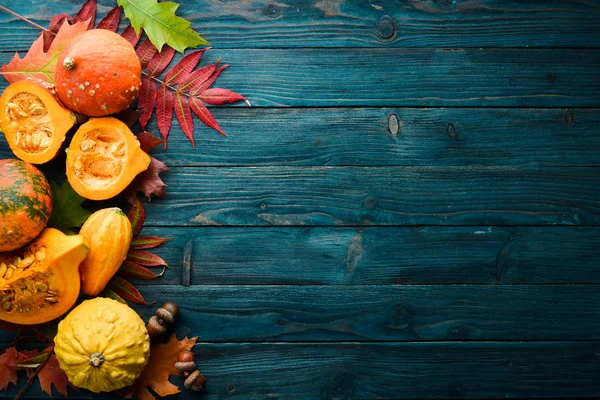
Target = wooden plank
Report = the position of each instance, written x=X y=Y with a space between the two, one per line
x=412 y=77
x=379 y=256
x=391 y=371
x=383 y=313
x=379 y=23
x=368 y=137
x=378 y=196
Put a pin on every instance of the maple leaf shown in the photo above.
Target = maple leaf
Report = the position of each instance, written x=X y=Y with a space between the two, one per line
x=161 y=24
x=50 y=374
x=38 y=64
x=67 y=212
x=8 y=368
x=148 y=182
x=161 y=366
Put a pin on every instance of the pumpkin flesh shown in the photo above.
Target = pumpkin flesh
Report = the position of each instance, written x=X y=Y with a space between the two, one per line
x=34 y=123
x=40 y=282
x=103 y=158
x=25 y=203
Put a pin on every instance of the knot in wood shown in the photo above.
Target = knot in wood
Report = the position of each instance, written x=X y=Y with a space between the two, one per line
x=271 y=11
x=451 y=131
x=386 y=27
x=393 y=124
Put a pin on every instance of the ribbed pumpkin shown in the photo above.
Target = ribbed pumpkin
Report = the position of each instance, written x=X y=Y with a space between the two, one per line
x=25 y=203
x=98 y=73
x=108 y=233
x=34 y=123
x=40 y=282
x=103 y=158
x=102 y=345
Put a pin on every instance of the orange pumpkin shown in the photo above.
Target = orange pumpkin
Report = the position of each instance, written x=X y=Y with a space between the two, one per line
x=103 y=158
x=98 y=73
x=25 y=203
x=41 y=281
x=108 y=233
x=33 y=121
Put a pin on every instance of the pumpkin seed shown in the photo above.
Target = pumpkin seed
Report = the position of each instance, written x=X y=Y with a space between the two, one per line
x=26 y=262
x=42 y=287
x=51 y=299
x=7 y=306
x=40 y=254
x=9 y=273
x=3 y=269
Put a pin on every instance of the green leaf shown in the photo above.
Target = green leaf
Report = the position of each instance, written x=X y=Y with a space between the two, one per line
x=33 y=362
x=67 y=212
x=112 y=295
x=161 y=24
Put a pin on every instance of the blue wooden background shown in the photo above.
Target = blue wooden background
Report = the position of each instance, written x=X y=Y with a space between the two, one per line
x=411 y=209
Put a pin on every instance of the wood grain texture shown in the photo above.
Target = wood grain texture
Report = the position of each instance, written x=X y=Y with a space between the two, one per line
x=368 y=137
x=378 y=196
x=350 y=256
x=389 y=77
x=392 y=370
x=344 y=23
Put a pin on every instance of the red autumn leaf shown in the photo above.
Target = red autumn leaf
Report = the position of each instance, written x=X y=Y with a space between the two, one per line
x=209 y=81
x=196 y=78
x=184 y=115
x=161 y=365
x=57 y=21
x=146 y=259
x=8 y=368
x=137 y=216
x=128 y=116
x=218 y=96
x=164 y=111
x=51 y=374
x=147 y=242
x=132 y=270
x=147 y=182
x=87 y=12
x=125 y=290
x=38 y=64
x=111 y=20
x=205 y=116
x=146 y=100
x=180 y=70
x=160 y=60
x=145 y=52
x=147 y=141
x=130 y=35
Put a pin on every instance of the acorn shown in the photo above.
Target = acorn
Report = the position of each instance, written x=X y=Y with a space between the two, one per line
x=164 y=318
x=195 y=381
x=185 y=361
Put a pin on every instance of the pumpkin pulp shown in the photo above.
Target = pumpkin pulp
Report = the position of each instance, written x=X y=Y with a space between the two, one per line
x=33 y=122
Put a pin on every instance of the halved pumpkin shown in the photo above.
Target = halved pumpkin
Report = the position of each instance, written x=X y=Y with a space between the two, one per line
x=103 y=158
x=34 y=123
x=40 y=282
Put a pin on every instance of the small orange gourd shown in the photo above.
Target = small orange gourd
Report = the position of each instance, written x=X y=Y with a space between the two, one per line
x=98 y=73
x=108 y=233
x=103 y=158
x=34 y=123
x=40 y=282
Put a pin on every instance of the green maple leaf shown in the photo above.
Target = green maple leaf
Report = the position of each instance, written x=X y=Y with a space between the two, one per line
x=67 y=212
x=161 y=24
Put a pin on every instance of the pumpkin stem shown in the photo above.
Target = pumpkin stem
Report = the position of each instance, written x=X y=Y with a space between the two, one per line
x=96 y=359
x=69 y=63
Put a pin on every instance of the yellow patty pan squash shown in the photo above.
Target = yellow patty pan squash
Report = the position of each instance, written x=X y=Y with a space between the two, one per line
x=102 y=345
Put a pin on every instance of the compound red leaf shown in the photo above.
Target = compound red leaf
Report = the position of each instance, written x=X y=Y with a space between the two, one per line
x=164 y=111
x=111 y=20
x=130 y=35
x=160 y=60
x=218 y=96
x=184 y=116
x=145 y=52
x=196 y=78
x=147 y=182
x=147 y=141
x=137 y=216
x=129 y=269
x=182 y=69
x=8 y=368
x=146 y=259
x=147 y=242
x=125 y=290
x=205 y=116
x=146 y=100
x=209 y=81
x=87 y=11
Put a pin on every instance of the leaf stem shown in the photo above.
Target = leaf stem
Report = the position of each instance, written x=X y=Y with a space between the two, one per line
x=6 y=10
x=161 y=82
